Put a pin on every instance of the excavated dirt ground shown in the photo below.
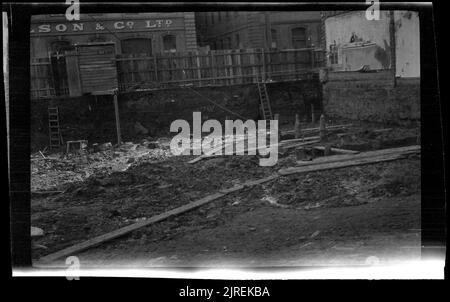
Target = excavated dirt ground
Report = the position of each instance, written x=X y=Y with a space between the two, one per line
x=341 y=216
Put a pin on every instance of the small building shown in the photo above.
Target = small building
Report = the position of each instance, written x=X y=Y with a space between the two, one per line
x=132 y=33
x=247 y=29
x=392 y=42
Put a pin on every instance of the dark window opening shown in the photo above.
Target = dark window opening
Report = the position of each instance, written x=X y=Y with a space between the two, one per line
x=299 y=37
x=169 y=43
x=137 y=46
x=273 y=35
x=238 y=41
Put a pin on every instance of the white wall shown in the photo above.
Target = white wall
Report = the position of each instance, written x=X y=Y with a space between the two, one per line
x=407 y=43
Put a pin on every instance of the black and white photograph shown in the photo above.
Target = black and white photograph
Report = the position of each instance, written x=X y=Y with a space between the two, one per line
x=223 y=136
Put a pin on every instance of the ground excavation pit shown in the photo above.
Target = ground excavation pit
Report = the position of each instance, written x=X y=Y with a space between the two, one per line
x=333 y=216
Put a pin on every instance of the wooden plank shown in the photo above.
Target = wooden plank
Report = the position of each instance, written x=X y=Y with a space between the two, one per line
x=336 y=158
x=77 y=248
x=337 y=150
x=73 y=75
x=116 y=113
x=295 y=140
x=342 y=164
x=333 y=127
x=339 y=161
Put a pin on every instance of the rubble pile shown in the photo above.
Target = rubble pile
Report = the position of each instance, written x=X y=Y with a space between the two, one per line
x=54 y=171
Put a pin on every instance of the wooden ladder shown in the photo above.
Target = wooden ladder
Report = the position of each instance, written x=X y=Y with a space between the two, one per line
x=264 y=101
x=53 y=127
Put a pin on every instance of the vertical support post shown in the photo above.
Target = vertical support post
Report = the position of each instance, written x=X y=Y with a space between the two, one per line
x=322 y=127
x=155 y=67
x=199 y=71
x=240 y=80
x=254 y=69
x=393 y=46
x=230 y=66
x=297 y=128
x=313 y=117
x=263 y=58
x=213 y=69
x=277 y=118
x=116 y=110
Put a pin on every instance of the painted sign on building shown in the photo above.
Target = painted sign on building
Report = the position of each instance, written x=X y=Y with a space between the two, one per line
x=98 y=27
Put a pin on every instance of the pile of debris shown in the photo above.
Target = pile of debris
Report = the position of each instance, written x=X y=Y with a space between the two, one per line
x=51 y=171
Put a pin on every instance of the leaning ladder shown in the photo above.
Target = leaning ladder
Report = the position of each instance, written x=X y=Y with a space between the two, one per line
x=53 y=127
x=264 y=101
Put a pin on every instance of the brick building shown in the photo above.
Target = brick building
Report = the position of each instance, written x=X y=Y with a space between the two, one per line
x=246 y=29
x=133 y=33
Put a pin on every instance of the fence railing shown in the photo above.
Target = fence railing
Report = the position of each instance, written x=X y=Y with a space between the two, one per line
x=212 y=68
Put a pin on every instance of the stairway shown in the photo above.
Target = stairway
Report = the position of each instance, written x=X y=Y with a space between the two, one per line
x=53 y=127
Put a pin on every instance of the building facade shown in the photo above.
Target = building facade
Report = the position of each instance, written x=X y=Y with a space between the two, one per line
x=246 y=29
x=132 y=33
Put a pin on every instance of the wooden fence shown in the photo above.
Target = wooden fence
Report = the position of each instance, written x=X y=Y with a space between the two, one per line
x=213 y=68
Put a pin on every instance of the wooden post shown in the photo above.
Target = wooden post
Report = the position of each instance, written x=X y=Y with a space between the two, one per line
x=297 y=128
x=322 y=128
x=116 y=110
x=230 y=66
x=199 y=71
x=155 y=67
x=263 y=57
x=239 y=67
x=213 y=69
x=313 y=117
x=277 y=118
x=253 y=66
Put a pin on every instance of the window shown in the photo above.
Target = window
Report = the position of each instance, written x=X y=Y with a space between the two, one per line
x=137 y=46
x=169 y=43
x=238 y=41
x=228 y=43
x=219 y=16
x=212 y=18
x=299 y=37
x=273 y=36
